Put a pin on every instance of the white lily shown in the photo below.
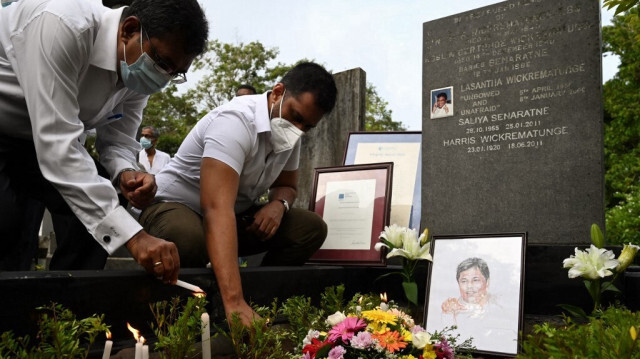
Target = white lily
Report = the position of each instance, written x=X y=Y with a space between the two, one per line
x=393 y=234
x=593 y=263
x=411 y=248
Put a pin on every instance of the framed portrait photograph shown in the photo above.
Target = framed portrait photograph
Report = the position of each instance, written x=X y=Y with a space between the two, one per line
x=354 y=201
x=477 y=284
x=404 y=149
x=441 y=102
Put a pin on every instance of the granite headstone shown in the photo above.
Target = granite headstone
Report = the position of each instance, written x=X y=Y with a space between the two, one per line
x=512 y=121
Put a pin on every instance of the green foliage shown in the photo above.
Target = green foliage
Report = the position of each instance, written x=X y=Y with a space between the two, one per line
x=606 y=335
x=378 y=116
x=262 y=340
x=61 y=335
x=332 y=300
x=178 y=326
x=622 y=130
x=301 y=315
x=620 y=5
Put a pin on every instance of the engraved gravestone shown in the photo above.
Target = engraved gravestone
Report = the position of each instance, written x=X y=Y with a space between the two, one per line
x=512 y=121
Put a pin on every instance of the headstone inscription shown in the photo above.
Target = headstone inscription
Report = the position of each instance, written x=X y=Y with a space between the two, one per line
x=512 y=121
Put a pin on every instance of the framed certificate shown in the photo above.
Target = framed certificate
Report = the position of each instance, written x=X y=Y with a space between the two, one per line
x=476 y=283
x=354 y=202
x=404 y=149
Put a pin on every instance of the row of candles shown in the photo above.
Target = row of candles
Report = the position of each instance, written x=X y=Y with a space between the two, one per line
x=142 y=350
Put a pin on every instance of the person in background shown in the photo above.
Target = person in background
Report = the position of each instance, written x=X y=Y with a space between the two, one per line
x=150 y=157
x=68 y=66
x=245 y=90
x=206 y=195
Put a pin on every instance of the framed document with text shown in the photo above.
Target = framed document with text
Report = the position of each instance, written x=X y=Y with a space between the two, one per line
x=355 y=203
x=476 y=283
x=404 y=149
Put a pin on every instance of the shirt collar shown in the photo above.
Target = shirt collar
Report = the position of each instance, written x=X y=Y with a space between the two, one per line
x=105 y=54
x=263 y=122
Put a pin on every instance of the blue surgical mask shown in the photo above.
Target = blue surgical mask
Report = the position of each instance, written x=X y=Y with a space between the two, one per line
x=142 y=76
x=145 y=143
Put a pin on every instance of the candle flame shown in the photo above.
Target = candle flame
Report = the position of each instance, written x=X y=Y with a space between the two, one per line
x=360 y=300
x=199 y=294
x=142 y=340
x=108 y=335
x=383 y=297
x=136 y=332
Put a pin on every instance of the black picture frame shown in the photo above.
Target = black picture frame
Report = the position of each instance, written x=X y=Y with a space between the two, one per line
x=476 y=282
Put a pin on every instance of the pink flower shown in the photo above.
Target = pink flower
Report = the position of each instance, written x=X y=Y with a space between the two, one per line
x=346 y=329
x=337 y=353
x=443 y=350
x=362 y=340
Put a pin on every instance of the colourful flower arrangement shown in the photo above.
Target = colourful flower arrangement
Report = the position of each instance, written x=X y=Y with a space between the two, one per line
x=382 y=332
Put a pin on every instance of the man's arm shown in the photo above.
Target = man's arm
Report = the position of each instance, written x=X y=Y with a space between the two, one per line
x=268 y=218
x=218 y=191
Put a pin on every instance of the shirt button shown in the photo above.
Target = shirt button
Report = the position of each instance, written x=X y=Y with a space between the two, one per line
x=106 y=239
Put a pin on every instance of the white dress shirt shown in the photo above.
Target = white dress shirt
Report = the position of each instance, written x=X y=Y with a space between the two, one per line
x=58 y=78
x=238 y=134
x=160 y=159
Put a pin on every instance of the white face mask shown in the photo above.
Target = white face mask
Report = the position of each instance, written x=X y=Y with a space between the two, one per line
x=284 y=134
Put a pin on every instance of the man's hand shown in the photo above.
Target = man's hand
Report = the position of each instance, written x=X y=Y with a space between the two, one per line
x=139 y=188
x=244 y=311
x=267 y=220
x=156 y=255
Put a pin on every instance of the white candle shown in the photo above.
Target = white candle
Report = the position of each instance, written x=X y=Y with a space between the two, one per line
x=206 y=336
x=138 y=350
x=145 y=352
x=107 y=347
x=191 y=287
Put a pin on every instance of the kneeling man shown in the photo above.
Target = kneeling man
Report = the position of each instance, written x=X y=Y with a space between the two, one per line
x=206 y=199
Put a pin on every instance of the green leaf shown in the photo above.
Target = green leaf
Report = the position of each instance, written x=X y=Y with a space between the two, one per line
x=596 y=236
x=411 y=291
x=574 y=311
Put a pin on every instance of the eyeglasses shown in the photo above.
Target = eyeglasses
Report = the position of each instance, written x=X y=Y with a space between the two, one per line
x=161 y=66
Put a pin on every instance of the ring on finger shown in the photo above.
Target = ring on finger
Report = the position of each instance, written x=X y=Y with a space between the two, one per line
x=157 y=263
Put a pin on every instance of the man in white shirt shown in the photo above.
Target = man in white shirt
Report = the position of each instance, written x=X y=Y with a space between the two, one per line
x=67 y=66
x=231 y=157
x=150 y=157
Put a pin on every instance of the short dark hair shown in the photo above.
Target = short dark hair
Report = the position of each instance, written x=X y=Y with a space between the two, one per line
x=311 y=77
x=473 y=263
x=442 y=94
x=248 y=87
x=154 y=132
x=184 y=18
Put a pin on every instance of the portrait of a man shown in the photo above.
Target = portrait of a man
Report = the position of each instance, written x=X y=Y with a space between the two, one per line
x=441 y=102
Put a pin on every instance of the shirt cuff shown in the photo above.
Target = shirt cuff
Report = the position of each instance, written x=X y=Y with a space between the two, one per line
x=116 y=229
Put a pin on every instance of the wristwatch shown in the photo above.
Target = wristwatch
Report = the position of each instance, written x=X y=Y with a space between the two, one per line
x=286 y=205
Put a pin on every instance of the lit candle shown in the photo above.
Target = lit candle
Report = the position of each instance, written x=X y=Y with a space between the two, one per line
x=107 y=346
x=137 y=337
x=145 y=349
x=206 y=336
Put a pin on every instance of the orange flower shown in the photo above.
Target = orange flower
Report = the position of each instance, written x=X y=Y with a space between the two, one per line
x=391 y=341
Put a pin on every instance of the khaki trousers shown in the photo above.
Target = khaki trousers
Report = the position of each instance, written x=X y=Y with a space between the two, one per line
x=299 y=236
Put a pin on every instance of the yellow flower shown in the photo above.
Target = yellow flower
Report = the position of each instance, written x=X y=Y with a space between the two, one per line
x=633 y=332
x=379 y=316
x=626 y=256
x=428 y=352
x=379 y=328
x=406 y=334
x=407 y=357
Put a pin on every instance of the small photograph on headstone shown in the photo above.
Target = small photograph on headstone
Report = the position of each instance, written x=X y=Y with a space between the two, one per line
x=442 y=102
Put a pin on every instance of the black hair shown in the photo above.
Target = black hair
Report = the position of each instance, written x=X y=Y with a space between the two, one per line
x=184 y=18
x=313 y=78
x=473 y=263
x=248 y=87
x=442 y=94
